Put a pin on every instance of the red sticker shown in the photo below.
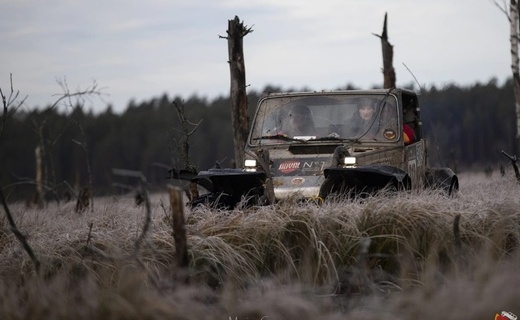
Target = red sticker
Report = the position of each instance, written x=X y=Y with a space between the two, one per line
x=289 y=166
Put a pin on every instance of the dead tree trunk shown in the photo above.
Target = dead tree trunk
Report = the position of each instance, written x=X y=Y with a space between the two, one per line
x=179 y=231
x=388 y=56
x=235 y=34
x=192 y=191
x=513 y=17
x=38 y=197
x=514 y=20
x=188 y=129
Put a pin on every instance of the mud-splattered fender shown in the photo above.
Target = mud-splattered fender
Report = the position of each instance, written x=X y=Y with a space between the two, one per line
x=229 y=186
x=231 y=181
x=364 y=179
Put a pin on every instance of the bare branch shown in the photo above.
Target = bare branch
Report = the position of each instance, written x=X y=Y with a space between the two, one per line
x=29 y=181
x=4 y=102
x=4 y=115
x=186 y=132
x=182 y=115
x=77 y=142
x=144 y=192
x=247 y=30
x=80 y=94
x=7 y=102
x=513 y=160
x=129 y=173
x=70 y=188
x=89 y=233
x=122 y=186
x=503 y=8
x=19 y=235
x=89 y=91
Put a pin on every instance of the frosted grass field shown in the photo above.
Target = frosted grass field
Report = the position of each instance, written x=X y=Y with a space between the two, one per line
x=392 y=257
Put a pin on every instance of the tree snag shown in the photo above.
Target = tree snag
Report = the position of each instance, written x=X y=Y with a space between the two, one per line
x=188 y=129
x=513 y=159
x=83 y=200
x=38 y=197
x=515 y=60
x=388 y=56
x=513 y=19
x=236 y=32
x=179 y=229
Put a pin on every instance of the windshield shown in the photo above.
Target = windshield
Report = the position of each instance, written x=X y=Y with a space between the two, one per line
x=280 y=119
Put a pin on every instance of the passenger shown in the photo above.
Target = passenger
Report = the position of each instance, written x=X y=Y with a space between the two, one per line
x=301 y=122
x=408 y=131
x=362 y=122
x=408 y=134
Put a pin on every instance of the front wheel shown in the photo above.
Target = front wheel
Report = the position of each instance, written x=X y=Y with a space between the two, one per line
x=454 y=186
x=443 y=179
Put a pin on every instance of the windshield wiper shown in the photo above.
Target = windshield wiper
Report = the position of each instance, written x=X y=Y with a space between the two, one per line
x=279 y=137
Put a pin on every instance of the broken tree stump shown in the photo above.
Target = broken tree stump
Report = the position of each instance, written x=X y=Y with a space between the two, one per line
x=513 y=163
x=179 y=227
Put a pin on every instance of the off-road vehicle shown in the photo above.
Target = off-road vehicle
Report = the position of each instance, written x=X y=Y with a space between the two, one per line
x=347 y=143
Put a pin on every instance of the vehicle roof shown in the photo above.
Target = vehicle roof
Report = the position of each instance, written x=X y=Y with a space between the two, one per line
x=356 y=91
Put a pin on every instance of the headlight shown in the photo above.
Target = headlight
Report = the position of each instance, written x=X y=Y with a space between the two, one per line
x=350 y=161
x=250 y=165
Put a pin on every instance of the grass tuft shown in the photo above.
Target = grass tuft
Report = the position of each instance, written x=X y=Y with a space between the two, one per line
x=410 y=255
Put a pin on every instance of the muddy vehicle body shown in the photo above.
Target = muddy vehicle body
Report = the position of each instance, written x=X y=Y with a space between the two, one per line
x=323 y=145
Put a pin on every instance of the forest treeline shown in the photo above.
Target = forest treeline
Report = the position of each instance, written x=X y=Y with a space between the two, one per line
x=465 y=127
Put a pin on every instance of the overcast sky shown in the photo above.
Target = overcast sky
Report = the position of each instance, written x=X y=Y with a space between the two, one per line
x=139 y=50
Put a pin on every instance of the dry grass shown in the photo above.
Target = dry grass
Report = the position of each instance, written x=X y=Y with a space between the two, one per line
x=380 y=258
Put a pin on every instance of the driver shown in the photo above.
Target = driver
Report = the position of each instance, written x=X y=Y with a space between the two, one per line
x=300 y=121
